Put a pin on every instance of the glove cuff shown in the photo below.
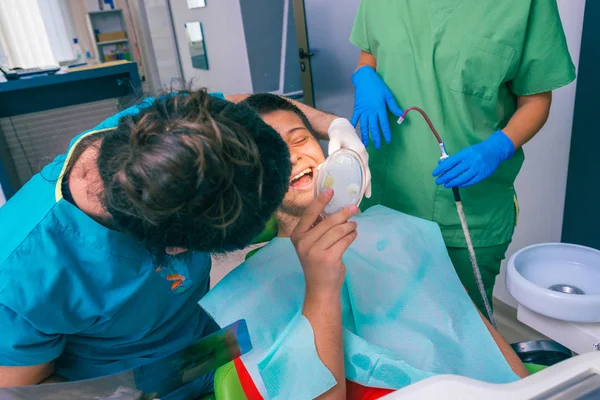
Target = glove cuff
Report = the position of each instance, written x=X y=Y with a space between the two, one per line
x=504 y=144
x=339 y=122
x=364 y=70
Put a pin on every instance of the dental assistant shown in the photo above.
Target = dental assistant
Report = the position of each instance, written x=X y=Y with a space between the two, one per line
x=105 y=254
x=484 y=71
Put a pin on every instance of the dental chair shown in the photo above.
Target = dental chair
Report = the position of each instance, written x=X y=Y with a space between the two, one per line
x=231 y=380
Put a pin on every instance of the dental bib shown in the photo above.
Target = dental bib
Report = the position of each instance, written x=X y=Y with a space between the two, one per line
x=406 y=316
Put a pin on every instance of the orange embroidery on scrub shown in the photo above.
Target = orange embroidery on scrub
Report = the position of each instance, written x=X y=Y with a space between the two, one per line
x=178 y=280
x=176 y=274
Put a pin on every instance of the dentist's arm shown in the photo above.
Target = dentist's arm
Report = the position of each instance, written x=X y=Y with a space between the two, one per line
x=320 y=249
x=25 y=376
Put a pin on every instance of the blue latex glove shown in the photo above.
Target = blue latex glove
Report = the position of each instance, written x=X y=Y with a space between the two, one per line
x=476 y=163
x=371 y=101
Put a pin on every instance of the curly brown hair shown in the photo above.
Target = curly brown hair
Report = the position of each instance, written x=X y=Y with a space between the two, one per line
x=193 y=171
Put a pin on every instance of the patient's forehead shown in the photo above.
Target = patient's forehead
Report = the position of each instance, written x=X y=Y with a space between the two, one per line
x=285 y=122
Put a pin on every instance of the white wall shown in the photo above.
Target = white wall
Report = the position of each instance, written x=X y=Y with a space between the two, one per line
x=542 y=183
x=229 y=70
x=162 y=42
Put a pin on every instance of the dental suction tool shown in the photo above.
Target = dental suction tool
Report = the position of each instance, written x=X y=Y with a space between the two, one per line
x=461 y=215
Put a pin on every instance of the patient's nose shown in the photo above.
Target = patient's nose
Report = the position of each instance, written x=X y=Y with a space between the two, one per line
x=294 y=157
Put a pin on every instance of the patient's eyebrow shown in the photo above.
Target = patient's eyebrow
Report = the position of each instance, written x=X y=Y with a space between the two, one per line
x=294 y=129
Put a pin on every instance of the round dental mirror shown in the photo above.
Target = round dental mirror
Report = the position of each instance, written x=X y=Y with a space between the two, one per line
x=344 y=172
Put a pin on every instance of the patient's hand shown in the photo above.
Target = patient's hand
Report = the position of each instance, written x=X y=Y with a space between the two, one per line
x=320 y=247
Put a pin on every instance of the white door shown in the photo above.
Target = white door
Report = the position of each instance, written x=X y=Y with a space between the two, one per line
x=217 y=30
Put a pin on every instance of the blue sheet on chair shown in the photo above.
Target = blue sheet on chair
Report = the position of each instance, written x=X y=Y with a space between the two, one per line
x=406 y=315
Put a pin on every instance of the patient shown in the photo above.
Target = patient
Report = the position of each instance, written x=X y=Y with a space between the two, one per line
x=380 y=323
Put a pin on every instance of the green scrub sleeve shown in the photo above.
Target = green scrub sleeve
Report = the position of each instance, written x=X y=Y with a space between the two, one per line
x=21 y=344
x=360 y=36
x=545 y=63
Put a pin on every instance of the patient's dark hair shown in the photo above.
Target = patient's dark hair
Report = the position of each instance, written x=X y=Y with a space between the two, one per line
x=265 y=103
x=193 y=171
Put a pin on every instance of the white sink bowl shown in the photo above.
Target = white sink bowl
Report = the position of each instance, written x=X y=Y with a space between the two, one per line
x=533 y=270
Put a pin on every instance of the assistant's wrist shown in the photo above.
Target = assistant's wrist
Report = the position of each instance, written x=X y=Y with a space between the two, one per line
x=503 y=144
x=363 y=73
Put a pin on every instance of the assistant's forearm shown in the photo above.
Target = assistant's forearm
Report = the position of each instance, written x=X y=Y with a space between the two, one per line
x=319 y=120
x=325 y=316
x=367 y=59
x=532 y=113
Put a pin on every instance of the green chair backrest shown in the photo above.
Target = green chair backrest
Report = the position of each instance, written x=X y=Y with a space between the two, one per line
x=268 y=233
x=533 y=368
x=227 y=383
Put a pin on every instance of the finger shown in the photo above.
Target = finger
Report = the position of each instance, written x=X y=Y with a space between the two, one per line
x=355 y=118
x=364 y=157
x=462 y=179
x=334 y=145
x=364 y=130
x=473 y=181
x=393 y=106
x=314 y=211
x=367 y=177
x=338 y=249
x=374 y=128
x=446 y=165
x=368 y=182
x=453 y=173
x=385 y=126
x=339 y=218
x=335 y=234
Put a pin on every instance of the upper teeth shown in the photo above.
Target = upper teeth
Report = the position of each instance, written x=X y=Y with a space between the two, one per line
x=301 y=174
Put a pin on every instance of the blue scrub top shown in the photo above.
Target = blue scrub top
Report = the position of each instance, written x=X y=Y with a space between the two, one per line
x=89 y=297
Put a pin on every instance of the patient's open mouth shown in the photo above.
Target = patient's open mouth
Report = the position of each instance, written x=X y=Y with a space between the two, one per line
x=302 y=180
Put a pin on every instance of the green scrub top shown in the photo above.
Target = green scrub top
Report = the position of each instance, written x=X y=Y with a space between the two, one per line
x=464 y=62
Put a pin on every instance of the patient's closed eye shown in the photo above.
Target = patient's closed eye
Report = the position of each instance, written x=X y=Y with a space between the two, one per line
x=300 y=140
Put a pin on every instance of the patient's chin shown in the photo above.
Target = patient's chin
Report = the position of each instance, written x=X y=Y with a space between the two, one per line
x=296 y=203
